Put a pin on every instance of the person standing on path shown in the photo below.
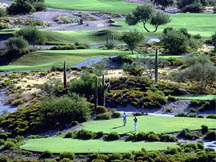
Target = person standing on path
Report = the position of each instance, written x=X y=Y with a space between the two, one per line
x=124 y=119
x=135 y=123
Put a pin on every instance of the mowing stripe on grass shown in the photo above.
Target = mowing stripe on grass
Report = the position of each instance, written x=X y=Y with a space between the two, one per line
x=59 y=145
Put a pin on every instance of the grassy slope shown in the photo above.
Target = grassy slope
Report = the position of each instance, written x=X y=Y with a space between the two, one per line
x=202 y=97
x=46 y=59
x=93 y=5
x=149 y=123
x=59 y=145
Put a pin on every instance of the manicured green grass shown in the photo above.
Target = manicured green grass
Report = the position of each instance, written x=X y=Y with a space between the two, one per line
x=200 y=97
x=48 y=58
x=113 y=6
x=149 y=123
x=59 y=145
x=202 y=24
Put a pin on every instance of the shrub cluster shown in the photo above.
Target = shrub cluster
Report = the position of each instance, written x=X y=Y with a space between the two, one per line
x=25 y=6
x=186 y=134
x=193 y=6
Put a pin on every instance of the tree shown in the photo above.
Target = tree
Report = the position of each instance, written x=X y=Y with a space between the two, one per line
x=163 y=3
x=145 y=14
x=20 y=7
x=16 y=44
x=32 y=35
x=132 y=39
x=179 y=41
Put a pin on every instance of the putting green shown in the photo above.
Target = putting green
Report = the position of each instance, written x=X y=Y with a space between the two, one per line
x=59 y=145
x=113 y=6
x=48 y=58
x=149 y=123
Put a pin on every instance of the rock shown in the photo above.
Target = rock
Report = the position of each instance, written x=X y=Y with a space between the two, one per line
x=153 y=40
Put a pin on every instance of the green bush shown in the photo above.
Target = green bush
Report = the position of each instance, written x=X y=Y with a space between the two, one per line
x=4 y=158
x=64 y=47
x=85 y=134
x=68 y=155
x=210 y=136
x=104 y=116
x=133 y=69
x=186 y=134
x=3 y=26
x=32 y=35
x=115 y=156
x=46 y=154
x=16 y=44
x=98 y=135
x=192 y=115
x=211 y=116
x=8 y=145
x=64 y=110
x=204 y=129
x=178 y=41
x=68 y=135
x=20 y=7
x=100 y=110
x=193 y=8
x=181 y=114
x=151 y=136
x=141 y=136
x=112 y=136
x=116 y=115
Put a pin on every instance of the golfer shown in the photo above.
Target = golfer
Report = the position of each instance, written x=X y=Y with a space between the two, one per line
x=124 y=119
x=135 y=123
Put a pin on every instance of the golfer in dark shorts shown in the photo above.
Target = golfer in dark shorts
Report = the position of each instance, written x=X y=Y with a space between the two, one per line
x=135 y=123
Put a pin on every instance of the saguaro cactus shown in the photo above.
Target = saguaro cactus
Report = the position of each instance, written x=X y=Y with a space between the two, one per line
x=64 y=75
x=103 y=91
x=156 y=66
x=96 y=93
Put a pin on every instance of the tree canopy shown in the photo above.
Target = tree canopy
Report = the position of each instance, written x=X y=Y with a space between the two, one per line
x=146 y=14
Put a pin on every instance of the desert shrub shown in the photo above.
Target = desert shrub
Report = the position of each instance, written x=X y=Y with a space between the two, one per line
x=181 y=114
x=100 y=109
x=115 y=156
x=85 y=134
x=3 y=26
x=46 y=154
x=16 y=44
x=74 y=123
x=68 y=135
x=64 y=47
x=211 y=116
x=103 y=116
x=192 y=115
x=151 y=136
x=85 y=86
x=112 y=136
x=186 y=134
x=211 y=135
x=116 y=115
x=141 y=136
x=1 y=142
x=133 y=69
x=102 y=157
x=32 y=35
x=179 y=41
x=4 y=158
x=171 y=98
x=168 y=109
x=98 y=135
x=39 y=6
x=167 y=138
x=52 y=87
x=204 y=129
x=193 y=8
x=68 y=155
x=9 y=144
x=2 y=12
x=64 y=110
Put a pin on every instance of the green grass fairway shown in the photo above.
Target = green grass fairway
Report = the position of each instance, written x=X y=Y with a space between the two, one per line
x=149 y=123
x=59 y=145
x=201 y=97
x=202 y=24
x=48 y=58
x=152 y=56
x=114 y=6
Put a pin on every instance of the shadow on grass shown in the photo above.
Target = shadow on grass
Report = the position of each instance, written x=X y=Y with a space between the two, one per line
x=117 y=127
